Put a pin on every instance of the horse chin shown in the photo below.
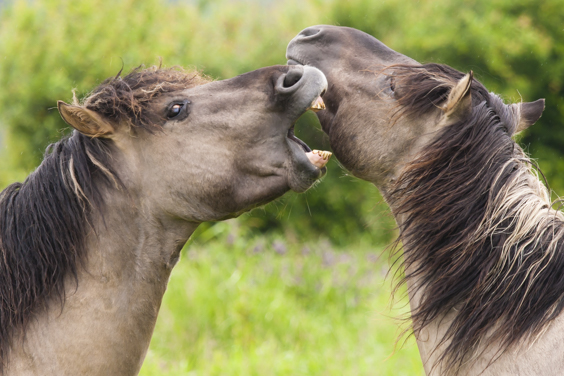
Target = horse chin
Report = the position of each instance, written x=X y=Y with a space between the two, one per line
x=300 y=182
x=302 y=173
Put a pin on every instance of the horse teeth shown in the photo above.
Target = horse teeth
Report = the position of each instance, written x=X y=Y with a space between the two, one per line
x=319 y=158
x=317 y=105
x=323 y=154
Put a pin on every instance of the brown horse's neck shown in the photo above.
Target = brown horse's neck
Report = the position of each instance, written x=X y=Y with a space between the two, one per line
x=536 y=354
x=107 y=320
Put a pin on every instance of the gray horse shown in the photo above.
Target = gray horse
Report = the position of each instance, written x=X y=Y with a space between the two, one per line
x=88 y=241
x=482 y=247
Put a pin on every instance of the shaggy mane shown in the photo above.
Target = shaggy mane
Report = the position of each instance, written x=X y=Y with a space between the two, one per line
x=44 y=221
x=480 y=238
x=126 y=99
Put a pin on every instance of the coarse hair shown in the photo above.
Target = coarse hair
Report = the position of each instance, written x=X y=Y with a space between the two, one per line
x=481 y=240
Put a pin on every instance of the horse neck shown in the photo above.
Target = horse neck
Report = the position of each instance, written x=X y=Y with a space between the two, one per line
x=540 y=355
x=428 y=338
x=107 y=320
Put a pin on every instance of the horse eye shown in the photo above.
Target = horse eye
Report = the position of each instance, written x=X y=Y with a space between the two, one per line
x=392 y=84
x=174 y=110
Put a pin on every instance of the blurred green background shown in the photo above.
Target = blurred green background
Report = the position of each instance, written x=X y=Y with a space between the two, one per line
x=257 y=295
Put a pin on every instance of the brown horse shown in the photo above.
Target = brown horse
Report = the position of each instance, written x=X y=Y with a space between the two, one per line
x=483 y=249
x=88 y=241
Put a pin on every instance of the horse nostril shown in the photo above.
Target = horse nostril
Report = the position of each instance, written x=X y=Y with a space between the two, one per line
x=309 y=32
x=292 y=77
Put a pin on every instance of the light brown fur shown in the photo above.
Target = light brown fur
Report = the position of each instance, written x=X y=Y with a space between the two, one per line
x=380 y=138
x=229 y=154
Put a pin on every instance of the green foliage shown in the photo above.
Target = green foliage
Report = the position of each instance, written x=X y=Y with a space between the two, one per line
x=239 y=306
x=49 y=47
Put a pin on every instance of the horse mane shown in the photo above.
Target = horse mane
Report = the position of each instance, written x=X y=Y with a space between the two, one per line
x=480 y=238
x=126 y=99
x=43 y=223
x=44 y=220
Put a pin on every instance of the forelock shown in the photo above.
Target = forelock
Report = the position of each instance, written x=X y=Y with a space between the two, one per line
x=423 y=88
x=127 y=99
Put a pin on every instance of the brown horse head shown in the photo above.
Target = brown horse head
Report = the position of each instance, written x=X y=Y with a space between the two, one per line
x=382 y=106
x=153 y=154
x=204 y=150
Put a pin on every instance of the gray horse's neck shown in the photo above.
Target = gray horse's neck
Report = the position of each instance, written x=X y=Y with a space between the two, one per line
x=540 y=356
x=106 y=323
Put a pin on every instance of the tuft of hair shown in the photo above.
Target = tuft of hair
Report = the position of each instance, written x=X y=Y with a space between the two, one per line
x=480 y=238
x=44 y=220
x=127 y=99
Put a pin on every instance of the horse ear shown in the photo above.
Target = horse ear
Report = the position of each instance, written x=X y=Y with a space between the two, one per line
x=459 y=102
x=529 y=113
x=86 y=121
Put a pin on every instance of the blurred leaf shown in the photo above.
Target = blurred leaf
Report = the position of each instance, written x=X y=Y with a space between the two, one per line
x=47 y=48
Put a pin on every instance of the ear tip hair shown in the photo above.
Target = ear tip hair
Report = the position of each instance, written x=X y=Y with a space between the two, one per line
x=61 y=105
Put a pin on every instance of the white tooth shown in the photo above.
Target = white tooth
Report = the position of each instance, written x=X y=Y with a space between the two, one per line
x=319 y=158
x=317 y=105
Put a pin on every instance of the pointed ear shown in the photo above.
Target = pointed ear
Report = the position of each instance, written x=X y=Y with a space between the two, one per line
x=529 y=113
x=459 y=102
x=86 y=121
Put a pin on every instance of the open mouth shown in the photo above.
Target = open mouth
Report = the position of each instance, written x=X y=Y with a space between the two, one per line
x=318 y=158
x=293 y=137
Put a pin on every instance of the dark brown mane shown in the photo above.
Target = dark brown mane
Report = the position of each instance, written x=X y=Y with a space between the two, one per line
x=480 y=239
x=44 y=221
x=126 y=99
x=423 y=88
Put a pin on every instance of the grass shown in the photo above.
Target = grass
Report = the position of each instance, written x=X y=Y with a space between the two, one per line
x=240 y=306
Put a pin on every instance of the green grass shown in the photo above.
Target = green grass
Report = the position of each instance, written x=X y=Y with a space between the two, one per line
x=239 y=306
